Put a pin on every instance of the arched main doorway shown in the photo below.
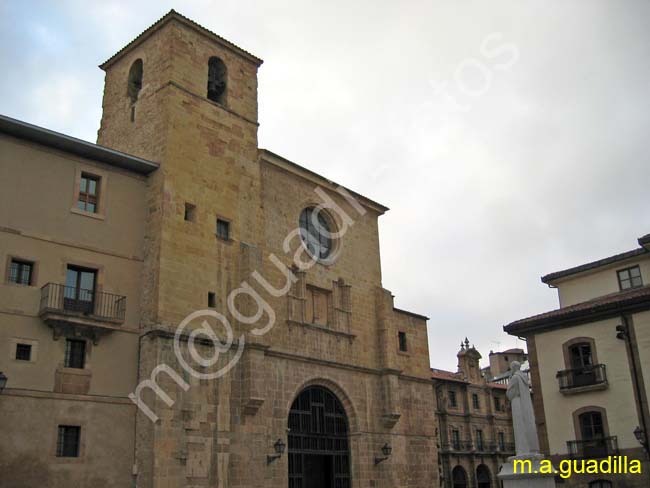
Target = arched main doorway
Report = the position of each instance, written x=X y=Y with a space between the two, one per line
x=319 y=452
x=483 y=477
x=459 y=477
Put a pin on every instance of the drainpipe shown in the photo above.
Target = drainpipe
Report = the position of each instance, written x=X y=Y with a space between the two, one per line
x=631 y=347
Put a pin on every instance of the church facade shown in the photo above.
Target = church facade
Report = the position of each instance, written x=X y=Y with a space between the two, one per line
x=308 y=376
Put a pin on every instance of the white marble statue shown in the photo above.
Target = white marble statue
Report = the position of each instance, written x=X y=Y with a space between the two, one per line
x=523 y=417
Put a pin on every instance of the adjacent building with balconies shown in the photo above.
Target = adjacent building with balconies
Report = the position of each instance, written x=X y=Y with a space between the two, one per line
x=590 y=364
x=71 y=239
x=474 y=424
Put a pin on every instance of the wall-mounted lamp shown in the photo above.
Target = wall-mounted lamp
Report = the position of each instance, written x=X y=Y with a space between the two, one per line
x=3 y=381
x=279 y=450
x=386 y=450
x=621 y=332
x=639 y=433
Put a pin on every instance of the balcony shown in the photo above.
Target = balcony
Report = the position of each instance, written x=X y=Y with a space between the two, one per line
x=593 y=448
x=460 y=446
x=587 y=378
x=506 y=448
x=486 y=447
x=88 y=313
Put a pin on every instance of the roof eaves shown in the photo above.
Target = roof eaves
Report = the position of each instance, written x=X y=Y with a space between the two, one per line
x=412 y=314
x=549 y=278
x=449 y=378
x=301 y=169
x=590 y=311
x=62 y=142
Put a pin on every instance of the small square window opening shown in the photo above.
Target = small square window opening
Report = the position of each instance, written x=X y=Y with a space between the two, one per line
x=629 y=278
x=20 y=272
x=212 y=299
x=23 y=352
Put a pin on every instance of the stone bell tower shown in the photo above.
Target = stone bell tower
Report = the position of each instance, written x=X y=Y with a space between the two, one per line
x=184 y=97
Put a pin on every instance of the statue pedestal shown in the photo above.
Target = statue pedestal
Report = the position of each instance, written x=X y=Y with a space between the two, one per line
x=532 y=473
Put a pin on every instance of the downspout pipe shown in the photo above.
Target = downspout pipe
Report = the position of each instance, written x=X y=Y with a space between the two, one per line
x=632 y=358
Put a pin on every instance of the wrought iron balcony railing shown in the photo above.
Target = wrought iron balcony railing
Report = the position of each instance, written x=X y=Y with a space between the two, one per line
x=595 y=375
x=486 y=447
x=593 y=448
x=507 y=447
x=68 y=300
x=457 y=446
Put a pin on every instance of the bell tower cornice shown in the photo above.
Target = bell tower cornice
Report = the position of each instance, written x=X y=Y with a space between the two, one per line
x=173 y=16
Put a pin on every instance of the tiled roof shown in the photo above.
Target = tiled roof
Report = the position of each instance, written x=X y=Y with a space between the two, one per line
x=595 y=309
x=72 y=145
x=172 y=14
x=595 y=264
x=412 y=314
x=441 y=374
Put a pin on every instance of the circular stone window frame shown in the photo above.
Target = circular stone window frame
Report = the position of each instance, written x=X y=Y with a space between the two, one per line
x=334 y=231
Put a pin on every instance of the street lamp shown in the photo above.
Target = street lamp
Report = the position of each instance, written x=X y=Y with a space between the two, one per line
x=386 y=450
x=279 y=450
x=3 y=381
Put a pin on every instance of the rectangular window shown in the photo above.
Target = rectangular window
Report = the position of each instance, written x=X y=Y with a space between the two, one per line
x=88 y=193
x=79 y=292
x=475 y=401
x=24 y=352
x=501 y=439
x=580 y=355
x=212 y=299
x=497 y=404
x=402 y=341
x=591 y=425
x=223 y=229
x=75 y=353
x=20 y=272
x=629 y=278
x=479 y=439
x=452 y=399
x=317 y=306
x=190 y=210
x=455 y=439
x=67 y=444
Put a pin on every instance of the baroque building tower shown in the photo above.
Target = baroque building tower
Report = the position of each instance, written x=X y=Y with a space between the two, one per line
x=475 y=423
x=320 y=360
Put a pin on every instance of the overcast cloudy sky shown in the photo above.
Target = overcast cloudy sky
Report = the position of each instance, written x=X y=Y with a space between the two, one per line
x=509 y=138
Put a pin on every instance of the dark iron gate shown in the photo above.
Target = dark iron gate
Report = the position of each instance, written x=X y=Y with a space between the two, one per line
x=319 y=453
